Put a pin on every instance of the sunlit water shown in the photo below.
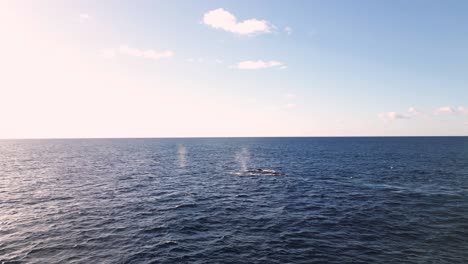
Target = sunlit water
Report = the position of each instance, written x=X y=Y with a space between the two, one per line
x=289 y=200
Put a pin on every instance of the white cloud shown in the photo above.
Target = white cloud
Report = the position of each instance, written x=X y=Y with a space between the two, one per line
x=448 y=110
x=84 y=17
x=148 y=54
x=288 y=30
x=290 y=97
x=462 y=110
x=445 y=110
x=410 y=113
x=390 y=116
x=134 y=52
x=199 y=60
x=222 y=19
x=413 y=111
x=257 y=65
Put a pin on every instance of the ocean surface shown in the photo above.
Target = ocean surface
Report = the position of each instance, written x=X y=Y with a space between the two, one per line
x=236 y=200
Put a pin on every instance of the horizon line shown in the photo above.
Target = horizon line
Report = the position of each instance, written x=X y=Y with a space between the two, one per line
x=231 y=137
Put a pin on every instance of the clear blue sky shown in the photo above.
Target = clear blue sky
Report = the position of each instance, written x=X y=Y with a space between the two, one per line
x=185 y=68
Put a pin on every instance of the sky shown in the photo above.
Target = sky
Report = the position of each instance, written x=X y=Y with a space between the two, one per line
x=85 y=69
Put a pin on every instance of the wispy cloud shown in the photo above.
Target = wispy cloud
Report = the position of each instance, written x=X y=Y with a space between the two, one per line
x=134 y=52
x=289 y=106
x=205 y=60
x=462 y=110
x=192 y=60
x=288 y=30
x=451 y=110
x=413 y=113
x=290 y=101
x=445 y=110
x=148 y=54
x=108 y=53
x=222 y=19
x=257 y=65
x=84 y=17
x=390 y=116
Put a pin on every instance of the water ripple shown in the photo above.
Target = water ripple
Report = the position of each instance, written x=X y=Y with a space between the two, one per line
x=342 y=200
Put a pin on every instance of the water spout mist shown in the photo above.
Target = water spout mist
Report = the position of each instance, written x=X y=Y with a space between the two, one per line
x=182 y=155
x=243 y=157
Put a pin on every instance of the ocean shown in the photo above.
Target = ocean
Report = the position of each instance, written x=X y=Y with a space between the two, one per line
x=234 y=200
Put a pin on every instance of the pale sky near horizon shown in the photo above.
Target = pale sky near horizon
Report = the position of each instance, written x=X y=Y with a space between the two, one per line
x=72 y=69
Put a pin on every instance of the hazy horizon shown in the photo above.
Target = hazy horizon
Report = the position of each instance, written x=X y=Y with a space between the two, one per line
x=229 y=137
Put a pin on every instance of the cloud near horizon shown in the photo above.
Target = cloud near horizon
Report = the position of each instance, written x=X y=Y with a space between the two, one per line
x=222 y=19
x=413 y=112
x=462 y=110
x=134 y=52
x=445 y=110
x=410 y=113
x=390 y=116
x=258 y=65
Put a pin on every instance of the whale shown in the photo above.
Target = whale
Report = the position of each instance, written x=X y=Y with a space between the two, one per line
x=263 y=172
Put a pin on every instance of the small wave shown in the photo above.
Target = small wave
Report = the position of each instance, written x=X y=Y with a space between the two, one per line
x=167 y=243
x=188 y=205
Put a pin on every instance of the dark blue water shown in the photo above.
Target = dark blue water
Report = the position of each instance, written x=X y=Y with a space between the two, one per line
x=285 y=200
